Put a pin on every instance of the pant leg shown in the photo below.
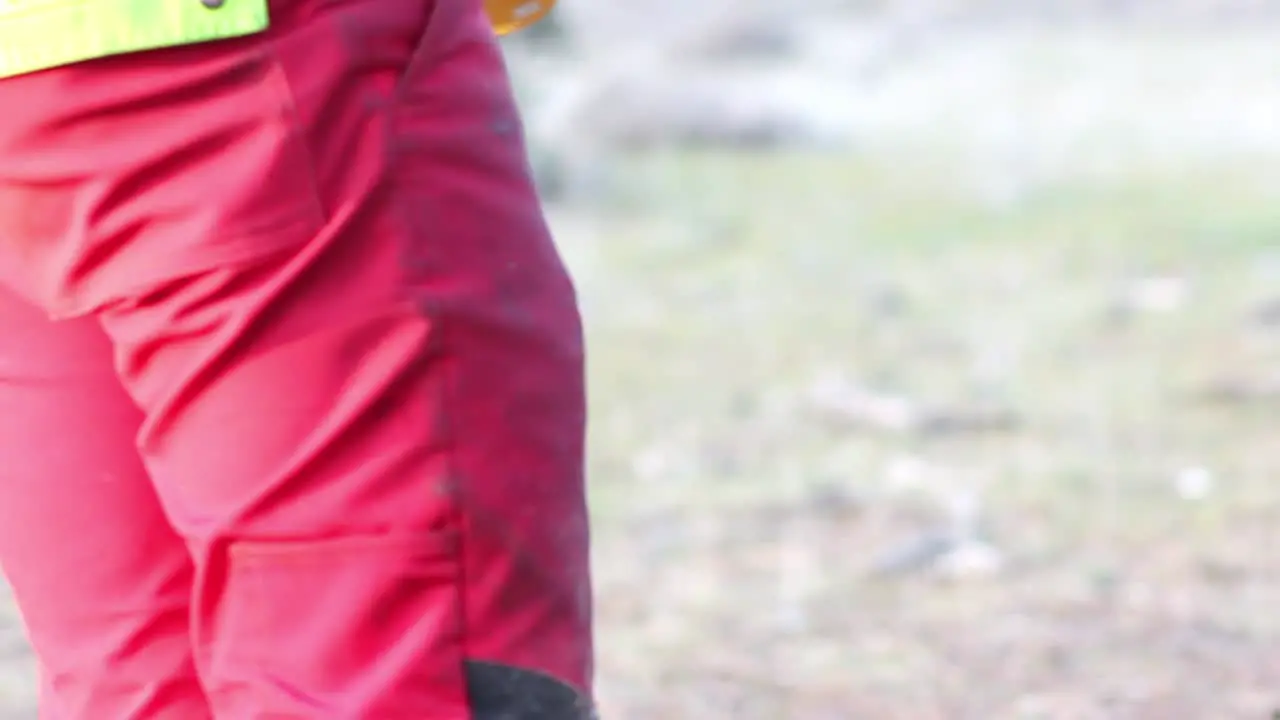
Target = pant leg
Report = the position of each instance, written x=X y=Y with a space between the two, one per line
x=330 y=287
x=102 y=581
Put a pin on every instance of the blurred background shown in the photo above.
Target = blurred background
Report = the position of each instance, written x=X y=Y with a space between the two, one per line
x=935 y=353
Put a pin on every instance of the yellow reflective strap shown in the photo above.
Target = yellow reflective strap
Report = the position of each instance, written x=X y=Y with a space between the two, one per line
x=40 y=34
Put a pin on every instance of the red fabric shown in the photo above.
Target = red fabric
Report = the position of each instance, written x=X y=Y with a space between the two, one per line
x=314 y=260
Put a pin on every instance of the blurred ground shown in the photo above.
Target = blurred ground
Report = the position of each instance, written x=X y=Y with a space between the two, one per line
x=935 y=356
x=876 y=450
x=935 y=362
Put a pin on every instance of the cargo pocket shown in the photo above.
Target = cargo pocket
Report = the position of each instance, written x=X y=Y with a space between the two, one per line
x=354 y=627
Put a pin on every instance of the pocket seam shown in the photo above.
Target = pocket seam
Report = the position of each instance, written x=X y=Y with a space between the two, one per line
x=297 y=139
x=426 y=544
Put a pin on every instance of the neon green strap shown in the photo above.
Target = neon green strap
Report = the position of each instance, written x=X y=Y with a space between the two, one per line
x=40 y=34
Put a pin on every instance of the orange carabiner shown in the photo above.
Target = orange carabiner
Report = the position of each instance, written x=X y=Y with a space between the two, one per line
x=508 y=16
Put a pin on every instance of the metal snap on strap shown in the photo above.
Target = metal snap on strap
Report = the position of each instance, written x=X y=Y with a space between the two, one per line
x=213 y=4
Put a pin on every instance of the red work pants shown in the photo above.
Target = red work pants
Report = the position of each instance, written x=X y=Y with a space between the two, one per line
x=291 y=402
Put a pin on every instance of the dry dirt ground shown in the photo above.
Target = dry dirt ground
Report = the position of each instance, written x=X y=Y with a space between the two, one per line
x=955 y=429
